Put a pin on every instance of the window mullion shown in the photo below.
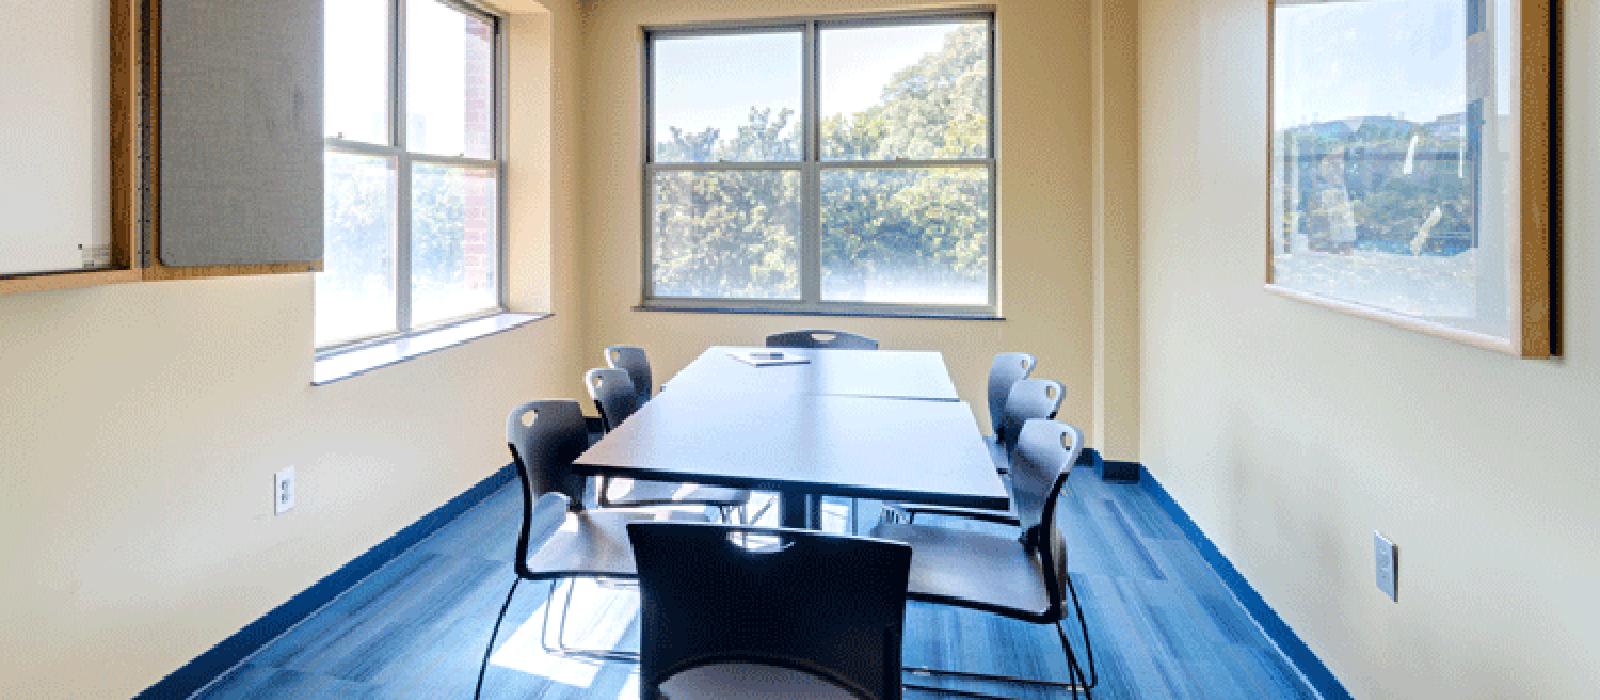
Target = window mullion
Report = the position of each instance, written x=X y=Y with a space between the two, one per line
x=811 y=176
x=403 y=215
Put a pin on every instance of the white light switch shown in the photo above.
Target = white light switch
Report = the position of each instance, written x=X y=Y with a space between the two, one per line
x=1388 y=574
x=283 y=491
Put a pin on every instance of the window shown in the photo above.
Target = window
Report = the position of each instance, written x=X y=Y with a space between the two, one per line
x=822 y=166
x=411 y=203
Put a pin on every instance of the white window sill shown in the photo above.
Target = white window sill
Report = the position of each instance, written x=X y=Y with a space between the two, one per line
x=344 y=364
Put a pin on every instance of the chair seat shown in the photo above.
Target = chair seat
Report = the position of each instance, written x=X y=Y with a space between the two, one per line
x=971 y=569
x=594 y=543
x=749 y=681
x=630 y=492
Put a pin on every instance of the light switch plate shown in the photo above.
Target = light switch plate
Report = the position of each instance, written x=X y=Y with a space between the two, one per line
x=1386 y=556
x=283 y=491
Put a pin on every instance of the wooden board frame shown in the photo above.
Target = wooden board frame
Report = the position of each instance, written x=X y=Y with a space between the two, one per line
x=153 y=268
x=1533 y=285
x=125 y=35
x=135 y=127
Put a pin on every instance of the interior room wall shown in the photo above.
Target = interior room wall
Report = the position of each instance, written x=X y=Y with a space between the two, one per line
x=1044 y=225
x=1290 y=433
x=141 y=424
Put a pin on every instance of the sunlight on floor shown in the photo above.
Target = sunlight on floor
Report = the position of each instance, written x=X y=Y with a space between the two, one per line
x=600 y=618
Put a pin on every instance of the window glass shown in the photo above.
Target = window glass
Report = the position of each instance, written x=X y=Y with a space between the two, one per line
x=906 y=236
x=356 y=290
x=356 y=70
x=727 y=97
x=453 y=250
x=449 y=81
x=1392 y=182
x=730 y=219
x=727 y=234
x=918 y=91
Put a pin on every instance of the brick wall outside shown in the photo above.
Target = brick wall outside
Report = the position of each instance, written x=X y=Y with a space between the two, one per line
x=478 y=249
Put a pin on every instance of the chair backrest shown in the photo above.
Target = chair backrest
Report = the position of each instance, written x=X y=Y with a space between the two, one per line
x=837 y=340
x=1045 y=453
x=1008 y=369
x=1029 y=399
x=828 y=605
x=632 y=359
x=545 y=437
x=613 y=394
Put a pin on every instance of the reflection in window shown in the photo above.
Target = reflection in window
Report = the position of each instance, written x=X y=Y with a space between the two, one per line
x=1391 y=177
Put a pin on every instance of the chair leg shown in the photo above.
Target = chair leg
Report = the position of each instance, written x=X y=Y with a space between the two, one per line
x=489 y=648
x=559 y=646
x=1078 y=683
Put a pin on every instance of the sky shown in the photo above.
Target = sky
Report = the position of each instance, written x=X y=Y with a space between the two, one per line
x=1379 y=57
x=714 y=81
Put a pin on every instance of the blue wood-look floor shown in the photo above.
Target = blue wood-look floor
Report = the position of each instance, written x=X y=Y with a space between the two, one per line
x=1163 y=624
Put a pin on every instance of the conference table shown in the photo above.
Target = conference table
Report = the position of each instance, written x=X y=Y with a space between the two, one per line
x=853 y=423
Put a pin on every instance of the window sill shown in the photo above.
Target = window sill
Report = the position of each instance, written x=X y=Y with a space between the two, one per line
x=343 y=364
x=852 y=313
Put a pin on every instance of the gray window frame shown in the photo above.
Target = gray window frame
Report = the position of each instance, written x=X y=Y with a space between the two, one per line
x=810 y=166
x=396 y=151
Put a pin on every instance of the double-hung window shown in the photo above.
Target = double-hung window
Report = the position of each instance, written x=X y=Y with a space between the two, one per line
x=412 y=194
x=838 y=165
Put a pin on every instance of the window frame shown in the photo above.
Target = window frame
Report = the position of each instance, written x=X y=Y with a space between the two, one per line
x=811 y=165
x=396 y=150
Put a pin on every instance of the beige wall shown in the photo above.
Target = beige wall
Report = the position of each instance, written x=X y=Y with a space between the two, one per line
x=1290 y=432
x=140 y=426
x=1044 y=213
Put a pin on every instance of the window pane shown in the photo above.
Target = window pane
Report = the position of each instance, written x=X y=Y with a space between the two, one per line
x=1394 y=179
x=449 y=81
x=919 y=91
x=727 y=234
x=356 y=70
x=906 y=236
x=454 y=251
x=356 y=290
x=729 y=97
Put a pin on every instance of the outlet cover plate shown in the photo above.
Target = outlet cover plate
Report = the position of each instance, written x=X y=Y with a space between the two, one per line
x=1386 y=556
x=283 y=491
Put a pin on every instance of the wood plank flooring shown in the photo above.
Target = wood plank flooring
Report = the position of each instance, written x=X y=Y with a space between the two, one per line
x=1163 y=624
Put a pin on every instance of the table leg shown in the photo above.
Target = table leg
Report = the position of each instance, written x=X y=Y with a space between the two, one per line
x=802 y=511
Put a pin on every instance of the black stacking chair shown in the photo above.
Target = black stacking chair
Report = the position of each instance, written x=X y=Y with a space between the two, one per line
x=762 y=613
x=1029 y=399
x=616 y=399
x=1008 y=369
x=837 y=340
x=632 y=359
x=560 y=540
x=1020 y=578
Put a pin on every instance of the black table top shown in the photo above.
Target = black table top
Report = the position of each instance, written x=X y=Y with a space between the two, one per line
x=892 y=374
x=702 y=429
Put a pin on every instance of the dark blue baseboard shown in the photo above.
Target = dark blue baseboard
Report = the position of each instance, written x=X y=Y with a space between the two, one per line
x=214 y=662
x=1275 y=628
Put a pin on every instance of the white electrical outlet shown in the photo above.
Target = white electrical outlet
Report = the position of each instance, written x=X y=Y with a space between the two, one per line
x=283 y=491
x=1388 y=574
